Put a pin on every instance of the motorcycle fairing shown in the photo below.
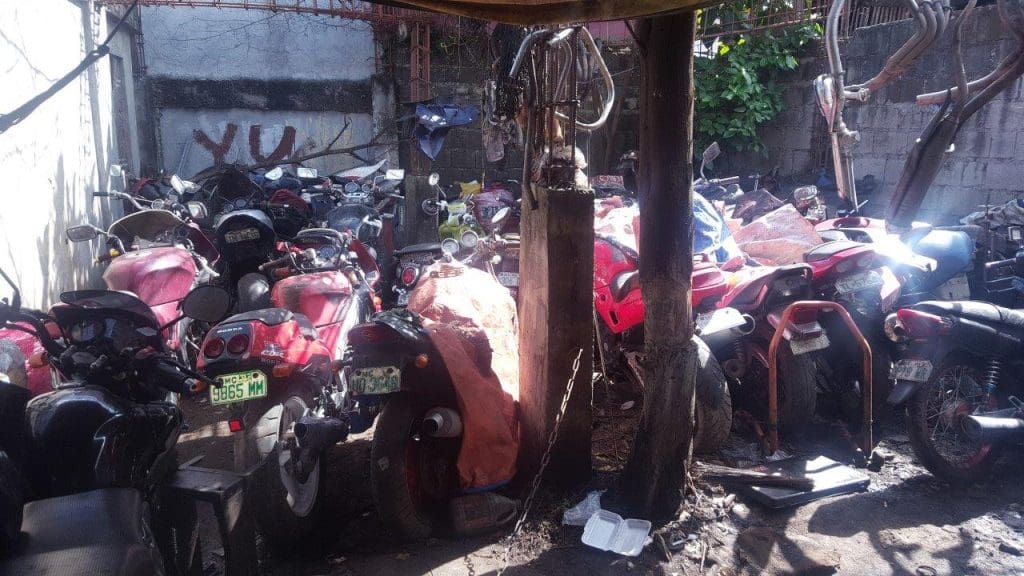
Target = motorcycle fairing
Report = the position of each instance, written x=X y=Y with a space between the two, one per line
x=156 y=275
x=952 y=252
x=87 y=437
x=751 y=286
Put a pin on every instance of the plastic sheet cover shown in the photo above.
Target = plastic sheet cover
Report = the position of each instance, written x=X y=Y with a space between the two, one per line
x=472 y=321
x=779 y=237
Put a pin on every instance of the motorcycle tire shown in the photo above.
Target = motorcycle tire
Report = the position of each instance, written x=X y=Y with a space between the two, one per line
x=921 y=433
x=713 y=414
x=797 y=388
x=12 y=500
x=281 y=526
x=397 y=477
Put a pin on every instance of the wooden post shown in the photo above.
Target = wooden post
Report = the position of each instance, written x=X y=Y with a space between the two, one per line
x=655 y=473
x=419 y=227
x=556 y=276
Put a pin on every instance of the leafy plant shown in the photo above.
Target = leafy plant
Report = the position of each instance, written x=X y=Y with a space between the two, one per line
x=736 y=88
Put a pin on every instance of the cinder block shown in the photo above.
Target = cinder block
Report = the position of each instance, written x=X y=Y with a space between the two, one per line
x=972 y=172
x=974 y=143
x=1003 y=145
x=1005 y=175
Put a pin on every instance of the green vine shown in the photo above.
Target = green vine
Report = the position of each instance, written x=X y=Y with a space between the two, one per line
x=737 y=90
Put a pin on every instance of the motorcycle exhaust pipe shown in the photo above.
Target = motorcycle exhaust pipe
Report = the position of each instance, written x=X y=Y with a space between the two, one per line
x=442 y=423
x=748 y=325
x=992 y=426
x=319 y=433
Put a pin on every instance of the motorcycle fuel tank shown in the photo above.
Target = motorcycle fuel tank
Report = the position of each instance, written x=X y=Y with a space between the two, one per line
x=156 y=275
x=323 y=297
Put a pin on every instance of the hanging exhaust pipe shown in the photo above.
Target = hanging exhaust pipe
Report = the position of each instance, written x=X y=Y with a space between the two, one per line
x=442 y=423
x=317 y=433
x=991 y=427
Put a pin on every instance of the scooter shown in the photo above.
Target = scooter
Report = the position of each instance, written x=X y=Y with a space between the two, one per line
x=96 y=456
x=957 y=378
x=280 y=372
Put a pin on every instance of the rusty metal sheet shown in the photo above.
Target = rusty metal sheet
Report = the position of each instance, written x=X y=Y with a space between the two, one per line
x=537 y=12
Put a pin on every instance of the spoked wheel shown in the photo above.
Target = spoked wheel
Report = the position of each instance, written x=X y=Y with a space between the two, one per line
x=935 y=423
x=412 y=474
x=288 y=486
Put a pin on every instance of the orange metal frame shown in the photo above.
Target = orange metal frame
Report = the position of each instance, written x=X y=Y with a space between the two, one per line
x=867 y=393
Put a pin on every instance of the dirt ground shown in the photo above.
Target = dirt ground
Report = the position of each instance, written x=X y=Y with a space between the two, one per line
x=906 y=523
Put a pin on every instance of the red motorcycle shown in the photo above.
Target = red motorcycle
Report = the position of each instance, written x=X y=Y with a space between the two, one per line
x=159 y=257
x=280 y=372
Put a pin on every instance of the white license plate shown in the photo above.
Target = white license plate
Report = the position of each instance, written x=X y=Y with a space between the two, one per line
x=913 y=370
x=804 y=345
x=858 y=282
x=239 y=387
x=235 y=236
x=377 y=380
x=718 y=321
x=403 y=298
x=508 y=279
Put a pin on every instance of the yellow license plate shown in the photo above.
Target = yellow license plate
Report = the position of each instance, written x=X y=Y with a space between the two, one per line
x=239 y=387
x=378 y=380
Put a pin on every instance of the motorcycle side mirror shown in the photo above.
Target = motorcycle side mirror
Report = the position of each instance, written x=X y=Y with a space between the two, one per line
x=825 y=94
x=431 y=207
x=177 y=184
x=274 y=174
x=709 y=155
x=207 y=303
x=308 y=173
x=197 y=210
x=500 y=215
x=83 y=233
x=434 y=178
x=117 y=178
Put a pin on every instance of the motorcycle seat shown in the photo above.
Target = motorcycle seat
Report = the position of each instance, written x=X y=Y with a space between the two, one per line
x=276 y=316
x=427 y=247
x=952 y=251
x=97 y=532
x=983 y=312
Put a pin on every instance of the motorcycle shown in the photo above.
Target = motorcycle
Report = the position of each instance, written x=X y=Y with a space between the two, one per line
x=498 y=253
x=957 y=378
x=280 y=373
x=157 y=256
x=439 y=379
x=459 y=229
x=97 y=454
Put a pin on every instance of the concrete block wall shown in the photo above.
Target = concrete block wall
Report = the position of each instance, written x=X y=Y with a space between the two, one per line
x=250 y=86
x=988 y=161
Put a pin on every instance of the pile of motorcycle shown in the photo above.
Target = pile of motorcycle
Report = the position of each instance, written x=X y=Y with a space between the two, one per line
x=259 y=292
x=933 y=305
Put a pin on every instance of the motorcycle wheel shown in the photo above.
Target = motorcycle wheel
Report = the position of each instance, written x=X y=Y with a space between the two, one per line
x=939 y=442
x=286 y=507
x=408 y=472
x=713 y=414
x=797 y=383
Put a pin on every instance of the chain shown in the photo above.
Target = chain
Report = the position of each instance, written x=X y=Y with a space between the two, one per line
x=552 y=438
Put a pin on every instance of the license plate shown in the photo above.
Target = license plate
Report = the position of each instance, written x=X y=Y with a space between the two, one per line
x=717 y=321
x=378 y=380
x=239 y=387
x=235 y=236
x=858 y=282
x=508 y=279
x=913 y=370
x=403 y=299
x=804 y=345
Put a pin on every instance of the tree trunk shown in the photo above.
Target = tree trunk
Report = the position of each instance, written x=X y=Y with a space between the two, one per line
x=652 y=481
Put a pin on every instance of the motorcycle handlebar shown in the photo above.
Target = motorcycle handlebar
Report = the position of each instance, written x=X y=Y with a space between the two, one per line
x=275 y=263
x=724 y=181
x=177 y=378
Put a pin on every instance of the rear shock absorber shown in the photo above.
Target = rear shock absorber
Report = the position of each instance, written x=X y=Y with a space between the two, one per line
x=735 y=367
x=991 y=380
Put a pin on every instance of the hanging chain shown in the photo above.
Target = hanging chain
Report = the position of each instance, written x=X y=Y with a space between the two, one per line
x=552 y=438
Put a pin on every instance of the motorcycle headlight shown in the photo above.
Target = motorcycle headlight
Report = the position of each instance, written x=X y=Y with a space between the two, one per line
x=894 y=329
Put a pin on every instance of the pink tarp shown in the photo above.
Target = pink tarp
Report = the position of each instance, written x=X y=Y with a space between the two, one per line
x=473 y=324
x=779 y=237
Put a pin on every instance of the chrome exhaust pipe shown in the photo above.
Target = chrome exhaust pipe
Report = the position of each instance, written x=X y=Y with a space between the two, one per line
x=442 y=423
x=318 y=433
x=992 y=426
x=748 y=326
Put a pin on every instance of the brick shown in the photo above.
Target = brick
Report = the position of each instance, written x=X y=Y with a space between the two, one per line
x=1005 y=175
x=972 y=172
x=1003 y=145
